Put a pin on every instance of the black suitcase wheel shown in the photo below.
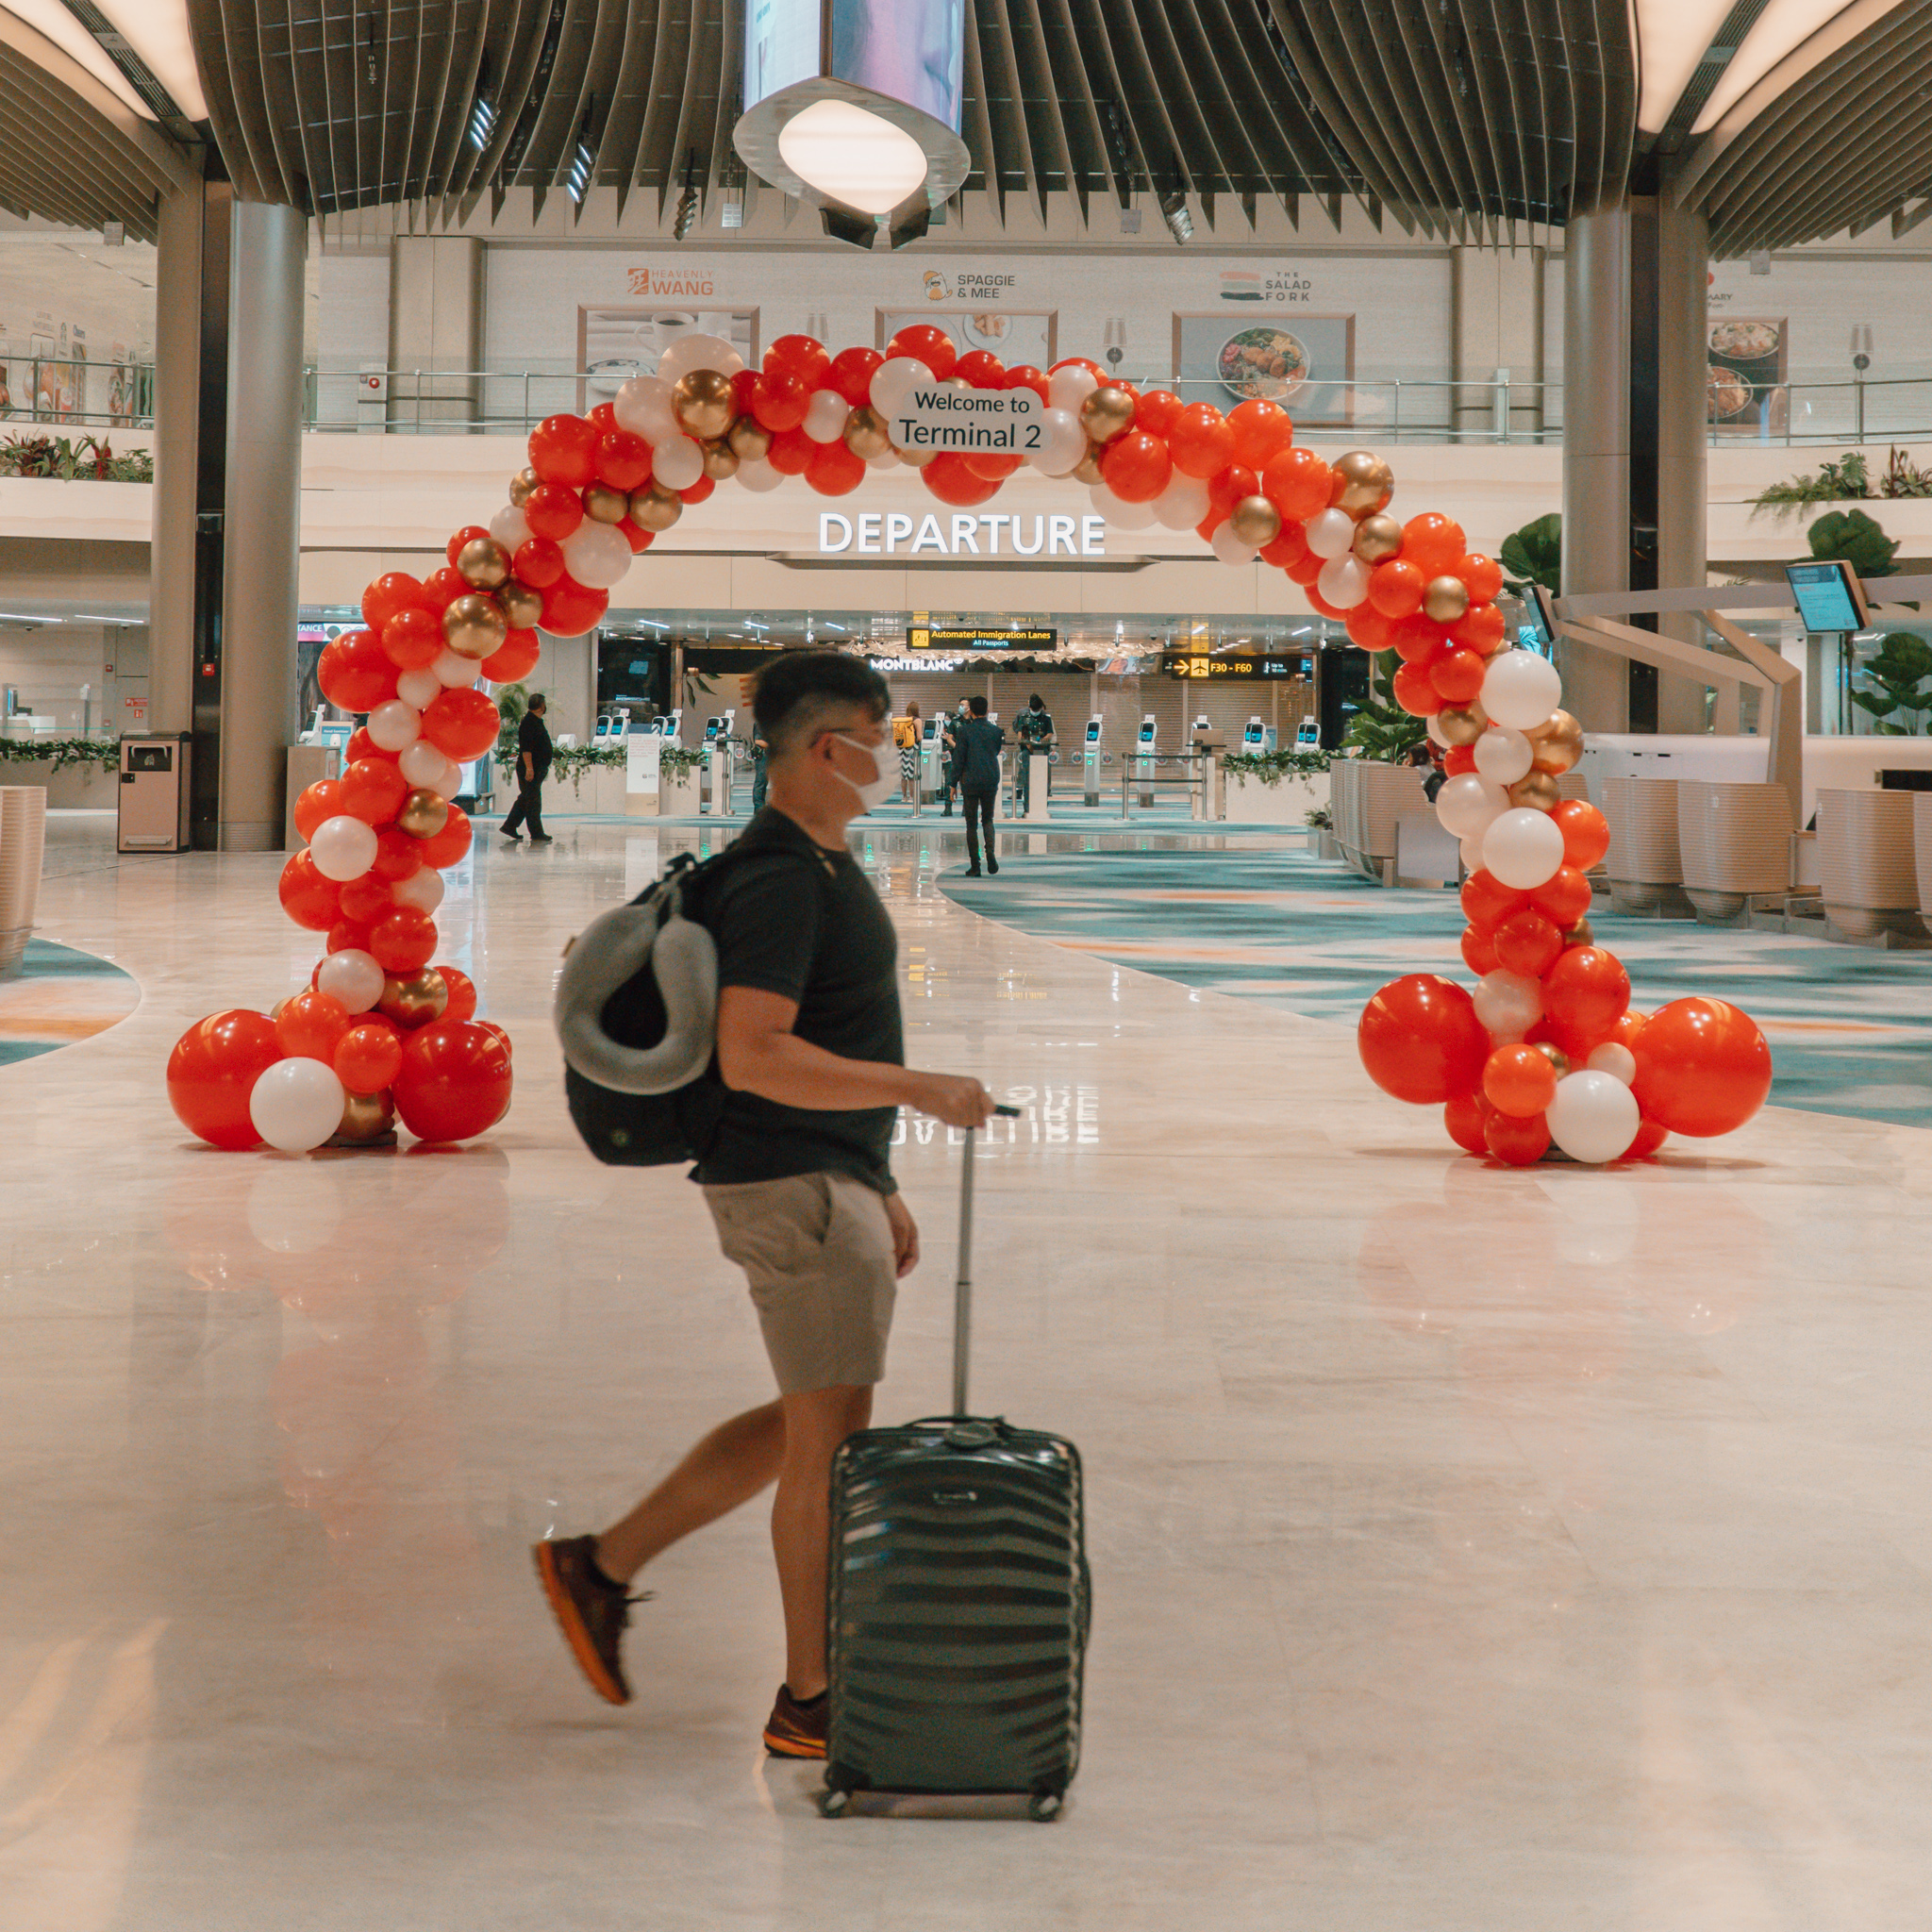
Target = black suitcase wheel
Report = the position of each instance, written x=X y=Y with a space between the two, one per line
x=1044 y=1807
x=835 y=1802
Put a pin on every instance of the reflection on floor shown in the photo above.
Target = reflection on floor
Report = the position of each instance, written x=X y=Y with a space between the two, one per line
x=59 y=996
x=1474 y=1552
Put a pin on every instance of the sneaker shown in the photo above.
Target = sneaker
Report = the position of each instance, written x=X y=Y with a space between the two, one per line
x=591 y=1610
x=514 y=838
x=971 y=872
x=541 y=839
x=795 y=1729
x=992 y=865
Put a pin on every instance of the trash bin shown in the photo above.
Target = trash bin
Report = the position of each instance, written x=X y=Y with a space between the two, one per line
x=154 y=791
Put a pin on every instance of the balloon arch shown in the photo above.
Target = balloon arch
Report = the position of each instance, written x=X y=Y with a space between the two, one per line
x=1547 y=1049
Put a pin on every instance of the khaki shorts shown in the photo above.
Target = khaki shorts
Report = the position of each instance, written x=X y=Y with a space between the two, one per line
x=817 y=1250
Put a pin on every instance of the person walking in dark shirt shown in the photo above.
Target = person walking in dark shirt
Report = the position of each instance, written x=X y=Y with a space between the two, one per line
x=978 y=742
x=533 y=767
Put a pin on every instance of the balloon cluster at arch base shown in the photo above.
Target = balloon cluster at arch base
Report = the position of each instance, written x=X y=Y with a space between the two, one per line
x=1547 y=1053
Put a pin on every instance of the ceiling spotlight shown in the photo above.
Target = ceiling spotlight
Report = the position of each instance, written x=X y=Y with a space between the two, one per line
x=687 y=218
x=1173 y=211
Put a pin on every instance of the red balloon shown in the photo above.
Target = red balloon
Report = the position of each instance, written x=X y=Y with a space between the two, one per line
x=1564 y=900
x=834 y=470
x=982 y=369
x=1487 y=902
x=1305 y=573
x=365 y=900
x=554 y=511
x=624 y=459
x=1288 y=549
x=348 y=936
x=1480 y=627
x=539 y=561
x=468 y=534
x=1703 y=1067
x=563 y=449
x=361 y=745
x=373 y=790
x=391 y=594
x=1414 y=692
x=1227 y=488
x=307 y=898
x=1520 y=1082
x=1457 y=759
x=402 y=940
x=1464 y=1118
x=454 y=1081
x=851 y=375
x=1202 y=443
x=1479 y=951
x=605 y=417
x=1366 y=626
x=1418 y=639
x=497 y=1032
x=1586 y=832
x=1650 y=1137
x=639 y=540
x=571 y=608
x=1396 y=587
x=1136 y=466
x=461 y=725
x=1261 y=431
x=804 y=356
x=355 y=672
x=515 y=658
x=1529 y=943
x=1086 y=362
x=1435 y=544
x=1586 y=993
x=213 y=1070
x=779 y=401
x=951 y=481
x=1023 y=375
x=790 y=453
x=1456 y=674
x=1298 y=483
x=322 y=800
x=1421 y=1040
x=989 y=467
x=925 y=344
x=442 y=587
x=412 y=639
x=1483 y=575
x=698 y=491
x=398 y=857
x=310 y=1024
x=446 y=848
x=462 y=994
x=1517 y=1142
x=368 y=1057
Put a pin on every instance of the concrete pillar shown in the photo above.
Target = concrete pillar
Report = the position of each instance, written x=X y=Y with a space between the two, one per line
x=436 y=323
x=1683 y=446
x=1497 y=308
x=263 y=523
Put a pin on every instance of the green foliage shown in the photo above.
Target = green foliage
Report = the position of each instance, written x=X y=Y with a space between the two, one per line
x=512 y=701
x=1381 y=729
x=84 y=460
x=1268 y=767
x=60 y=752
x=573 y=761
x=679 y=758
x=1322 y=818
x=1534 y=555
x=1848 y=480
x=1855 y=537
x=1900 y=669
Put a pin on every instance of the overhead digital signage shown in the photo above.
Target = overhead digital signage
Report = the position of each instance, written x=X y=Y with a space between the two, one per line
x=1199 y=669
x=1828 y=596
x=922 y=637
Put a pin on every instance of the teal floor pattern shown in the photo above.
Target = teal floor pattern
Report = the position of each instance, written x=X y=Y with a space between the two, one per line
x=59 y=996
x=1850 y=1029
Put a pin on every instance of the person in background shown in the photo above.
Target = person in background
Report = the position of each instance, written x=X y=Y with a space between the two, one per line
x=760 y=771
x=533 y=767
x=976 y=770
x=949 y=752
x=1426 y=760
x=906 y=735
x=1032 y=732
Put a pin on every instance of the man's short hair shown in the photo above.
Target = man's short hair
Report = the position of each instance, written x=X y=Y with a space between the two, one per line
x=1037 y=702
x=976 y=706
x=537 y=702
x=798 y=691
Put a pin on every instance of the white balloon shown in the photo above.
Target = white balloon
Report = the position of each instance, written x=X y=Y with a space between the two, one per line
x=824 y=418
x=509 y=526
x=597 y=554
x=678 y=463
x=886 y=459
x=1593 y=1117
x=394 y=726
x=698 y=351
x=1123 y=516
x=343 y=848
x=453 y=671
x=1520 y=689
x=1182 y=504
x=423 y=888
x=644 y=406
x=1524 y=848
x=1472 y=855
x=451 y=781
x=891 y=381
x=1467 y=806
x=417 y=688
x=1343 y=581
x=756 y=475
x=1230 y=547
x=1433 y=726
x=294 y=1210
x=296 y=1105
x=1503 y=755
x=1508 y=1005
x=1331 y=533
x=1618 y=1062
x=1068 y=388
x=422 y=764
x=1062 y=443
x=352 y=976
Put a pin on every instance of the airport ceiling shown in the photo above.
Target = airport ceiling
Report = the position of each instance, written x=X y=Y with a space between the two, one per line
x=1785 y=121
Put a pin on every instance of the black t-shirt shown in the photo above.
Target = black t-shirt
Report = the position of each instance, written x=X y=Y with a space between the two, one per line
x=805 y=924
x=1033 y=727
x=534 y=739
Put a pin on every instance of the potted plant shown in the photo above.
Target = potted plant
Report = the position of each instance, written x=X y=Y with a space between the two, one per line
x=680 y=781
x=1276 y=787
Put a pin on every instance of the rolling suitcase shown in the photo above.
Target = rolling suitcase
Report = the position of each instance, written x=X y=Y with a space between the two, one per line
x=959 y=1601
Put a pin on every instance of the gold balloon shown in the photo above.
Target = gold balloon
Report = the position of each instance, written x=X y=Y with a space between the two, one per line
x=416 y=1000
x=1557 y=744
x=1363 y=484
x=1378 y=537
x=703 y=403
x=1536 y=790
x=749 y=440
x=484 y=562
x=522 y=605
x=1462 y=724
x=1105 y=413
x=865 y=433
x=1445 y=599
x=656 y=508
x=275 y=1012
x=423 y=815
x=521 y=485
x=1556 y=1056
x=720 y=461
x=1581 y=935
x=368 y=1120
x=914 y=458
x=604 y=505
x=475 y=625
x=1254 y=521
x=1088 y=468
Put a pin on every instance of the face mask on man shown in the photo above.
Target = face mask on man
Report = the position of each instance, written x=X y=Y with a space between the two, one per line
x=884 y=781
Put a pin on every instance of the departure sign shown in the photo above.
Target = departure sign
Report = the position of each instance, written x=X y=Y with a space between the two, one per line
x=1000 y=421
x=923 y=637
x=1205 y=670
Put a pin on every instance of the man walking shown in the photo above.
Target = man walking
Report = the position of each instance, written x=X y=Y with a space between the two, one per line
x=977 y=767
x=533 y=767
x=811 y=1054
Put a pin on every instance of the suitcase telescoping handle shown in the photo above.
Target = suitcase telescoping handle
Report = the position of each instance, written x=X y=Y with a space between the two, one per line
x=962 y=1288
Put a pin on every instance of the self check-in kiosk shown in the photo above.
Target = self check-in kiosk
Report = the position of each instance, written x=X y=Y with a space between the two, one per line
x=1090 y=761
x=1145 y=745
x=667 y=726
x=1308 y=735
x=1256 y=737
x=932 y=783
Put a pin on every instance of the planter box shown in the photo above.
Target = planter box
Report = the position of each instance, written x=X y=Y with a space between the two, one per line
x=1287 y=802
x=77 y=787
x=678 y=793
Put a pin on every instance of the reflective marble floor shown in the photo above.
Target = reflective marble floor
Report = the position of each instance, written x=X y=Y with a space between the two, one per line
x=1473 y=1551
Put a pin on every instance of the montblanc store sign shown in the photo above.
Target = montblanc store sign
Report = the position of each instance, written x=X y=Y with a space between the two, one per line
x=898 y=533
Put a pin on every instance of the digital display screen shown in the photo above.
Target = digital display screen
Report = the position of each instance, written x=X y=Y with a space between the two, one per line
x=1538 y=630
x=1828 y=596
x=1205 y=670
x=922 y=637
x=911 y=50
x=782 y=44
